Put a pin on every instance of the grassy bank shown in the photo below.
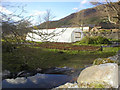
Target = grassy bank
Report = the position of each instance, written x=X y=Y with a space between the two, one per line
x=31 y=57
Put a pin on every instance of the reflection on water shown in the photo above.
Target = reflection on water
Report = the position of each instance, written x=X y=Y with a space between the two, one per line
x=37 y=81
x=17 y=80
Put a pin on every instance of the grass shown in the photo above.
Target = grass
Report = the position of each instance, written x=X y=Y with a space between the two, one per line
x=31 y=57
x=78 y=43
x=114 y=40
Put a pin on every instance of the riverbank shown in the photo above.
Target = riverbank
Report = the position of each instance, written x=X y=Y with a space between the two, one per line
x=102 y=75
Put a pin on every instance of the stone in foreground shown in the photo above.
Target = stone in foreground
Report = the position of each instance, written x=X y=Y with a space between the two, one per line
x=99 y=76
x=69 y=85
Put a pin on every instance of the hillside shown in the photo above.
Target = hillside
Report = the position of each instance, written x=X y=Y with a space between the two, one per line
x=95 y=15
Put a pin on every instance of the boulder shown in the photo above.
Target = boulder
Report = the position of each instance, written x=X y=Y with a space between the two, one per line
x=99 y=76
x=114 y=58
x=68 y=85
x=6 y=74
x=99 y=61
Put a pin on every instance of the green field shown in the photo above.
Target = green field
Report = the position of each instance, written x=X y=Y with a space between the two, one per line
x=29 y=57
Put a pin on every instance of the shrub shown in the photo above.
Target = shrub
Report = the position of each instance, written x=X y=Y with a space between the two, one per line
x=102 y=40
x=8 y=47
x=95 y=40
x=87 y=40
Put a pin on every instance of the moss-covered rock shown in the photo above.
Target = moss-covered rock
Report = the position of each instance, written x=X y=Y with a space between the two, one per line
x=68 y=85
x=99 y=61
x=94 y=85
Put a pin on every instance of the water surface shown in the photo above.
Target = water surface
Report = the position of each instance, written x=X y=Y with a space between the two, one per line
x=36 y=81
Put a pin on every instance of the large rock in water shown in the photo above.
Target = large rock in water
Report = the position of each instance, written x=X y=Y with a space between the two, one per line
x=99 y=76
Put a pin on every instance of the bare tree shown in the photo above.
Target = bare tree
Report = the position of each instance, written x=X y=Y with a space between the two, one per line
x=46 y=35
x=17 y=31
x=48 y=17
x=78 y=19
x=110 y=6
x=14 y=30
x=116 y=8
x=39 y=20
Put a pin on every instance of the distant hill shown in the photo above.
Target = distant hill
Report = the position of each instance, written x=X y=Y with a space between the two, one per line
x=95 y=15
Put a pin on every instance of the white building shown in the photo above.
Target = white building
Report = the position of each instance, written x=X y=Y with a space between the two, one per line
x=67 y=35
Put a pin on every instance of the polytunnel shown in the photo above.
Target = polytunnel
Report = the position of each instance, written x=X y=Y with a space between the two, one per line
x=67 y=35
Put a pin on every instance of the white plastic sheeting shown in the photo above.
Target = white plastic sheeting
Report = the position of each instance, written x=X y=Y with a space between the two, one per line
x=67 y=35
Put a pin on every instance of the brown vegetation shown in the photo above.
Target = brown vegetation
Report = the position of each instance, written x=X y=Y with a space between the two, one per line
x=68 y=46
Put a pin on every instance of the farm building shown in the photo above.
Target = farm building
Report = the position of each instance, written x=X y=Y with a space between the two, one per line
x=67 y=35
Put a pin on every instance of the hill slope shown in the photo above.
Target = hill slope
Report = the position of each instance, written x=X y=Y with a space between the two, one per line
x=95 y=15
